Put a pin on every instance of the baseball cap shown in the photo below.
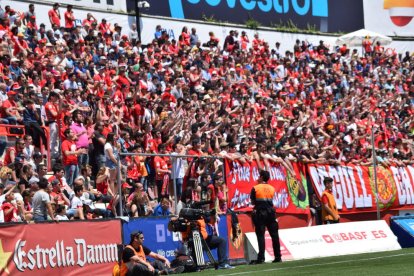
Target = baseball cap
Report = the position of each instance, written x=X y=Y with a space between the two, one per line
x=33 y=180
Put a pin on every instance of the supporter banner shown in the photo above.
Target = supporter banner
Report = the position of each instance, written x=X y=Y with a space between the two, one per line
x=157 y=236
x=389 y=17
x=354 y=187
x=64 y=248
x=331 y=16
x=291 y=195
x=236 y=237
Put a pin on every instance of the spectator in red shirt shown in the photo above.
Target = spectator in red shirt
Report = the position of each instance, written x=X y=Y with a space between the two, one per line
x=162 y=173
x=69 y=18
x=54 y=15
x=70 y=156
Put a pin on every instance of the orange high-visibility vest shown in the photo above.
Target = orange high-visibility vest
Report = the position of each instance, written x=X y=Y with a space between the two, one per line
x=140 y=254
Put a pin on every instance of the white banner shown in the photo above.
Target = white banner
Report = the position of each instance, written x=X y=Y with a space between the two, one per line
x=390 y=17
x=330 y=240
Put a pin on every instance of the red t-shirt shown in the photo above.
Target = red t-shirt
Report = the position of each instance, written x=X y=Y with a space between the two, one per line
x=69 y=20
x=12 y=216
x=160 y=163
x=49 y=108
x=55 y=17
x=69 y=159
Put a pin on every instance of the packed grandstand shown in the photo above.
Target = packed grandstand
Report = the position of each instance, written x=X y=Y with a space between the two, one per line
x=76 y=96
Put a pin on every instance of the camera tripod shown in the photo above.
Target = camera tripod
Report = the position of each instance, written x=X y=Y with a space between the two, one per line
x=199 y=246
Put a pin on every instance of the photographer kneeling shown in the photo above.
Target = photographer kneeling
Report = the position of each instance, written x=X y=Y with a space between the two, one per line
x=185 y=226
x=134 y=261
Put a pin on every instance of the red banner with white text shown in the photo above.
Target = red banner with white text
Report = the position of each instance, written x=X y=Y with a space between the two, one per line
x=354 y=186
x=64 y=248
x=291 y=192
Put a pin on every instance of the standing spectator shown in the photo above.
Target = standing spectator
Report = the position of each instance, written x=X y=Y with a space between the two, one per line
x=69 y=18
x=367 y=45
x=82 y=139
x=329 y=210
x=52 y=113
x=70 y=155
x=264 y=216
x=194 y=37
x=32 y=122
x=133 y=34
x=111 y=157
x=98 y=153
x=158 y=32
x=178 y=168
x=54 y=15
x=162 y=173
x=42 y=205
x=30 y=13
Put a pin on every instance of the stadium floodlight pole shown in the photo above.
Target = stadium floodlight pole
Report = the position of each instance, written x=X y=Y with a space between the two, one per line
x=118 y=180
x=174 y=163
x=138 y=18
x=374 y=165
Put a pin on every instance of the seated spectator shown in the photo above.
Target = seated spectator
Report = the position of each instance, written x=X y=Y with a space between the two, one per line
x=163 y=208
x=76 y=204
x=139 y=203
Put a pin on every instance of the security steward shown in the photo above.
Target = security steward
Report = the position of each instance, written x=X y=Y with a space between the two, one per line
x=329 y=211
x=264 y=216
x=134 y=261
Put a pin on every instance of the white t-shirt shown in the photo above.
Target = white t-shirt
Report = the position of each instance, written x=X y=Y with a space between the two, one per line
x=76 y=203
x=2 y=199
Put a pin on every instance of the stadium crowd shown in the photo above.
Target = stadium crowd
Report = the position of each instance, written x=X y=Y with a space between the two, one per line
x=88 y=92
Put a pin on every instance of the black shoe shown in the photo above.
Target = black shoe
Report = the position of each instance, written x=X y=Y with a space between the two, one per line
x=256 y=262
x=176 y=270
x=277 y=260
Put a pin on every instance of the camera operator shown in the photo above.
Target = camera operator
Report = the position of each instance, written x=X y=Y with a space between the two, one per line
x=134 y=261
x=213 y=241
x=264 y=216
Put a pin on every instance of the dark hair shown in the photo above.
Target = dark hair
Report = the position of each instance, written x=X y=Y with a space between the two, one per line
x=78 y=189
x=327 y=180
x=43 y=183
x=67 y=131
x=135 y=233
x=265 y=175
x=110 y=138
x=57 y=168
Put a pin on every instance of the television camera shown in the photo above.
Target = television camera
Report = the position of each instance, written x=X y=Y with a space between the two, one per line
x=187 y=222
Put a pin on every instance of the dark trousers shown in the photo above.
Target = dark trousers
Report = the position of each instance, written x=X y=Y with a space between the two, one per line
x=218 y=242
x=37 y=133
x=142 y=270
x=262 y=219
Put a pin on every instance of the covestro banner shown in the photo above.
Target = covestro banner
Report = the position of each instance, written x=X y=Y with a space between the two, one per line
x=354 y=186
x=71 y=248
